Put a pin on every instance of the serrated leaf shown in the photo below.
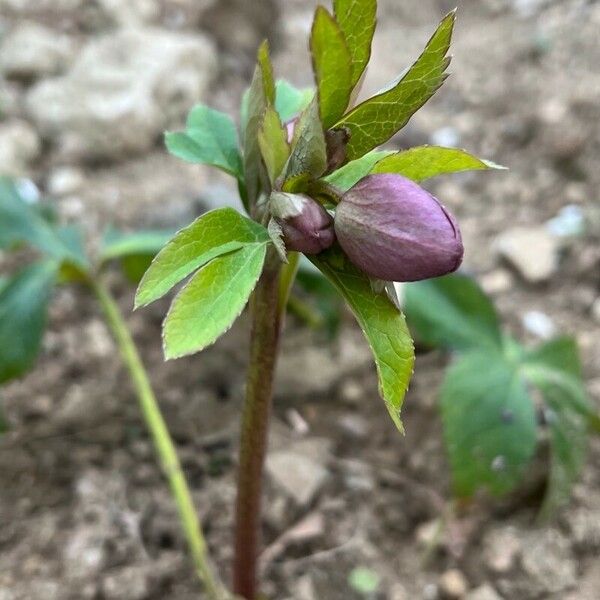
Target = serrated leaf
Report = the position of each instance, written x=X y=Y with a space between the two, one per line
x=452 y=311
x=308 y=158
x=332 y=67
x=274 y=147
x=352 y=172
x=382 y=323
x=289 y=100
x=210 y=138
x=377 y=119
x=554 y=368
x=260 y=95
x=357 y=21
x=23 y=310
x=20 y=222
x=276 y=235
x=423 y=162
x=489 y=423
x=215 y=233
x=211 y=301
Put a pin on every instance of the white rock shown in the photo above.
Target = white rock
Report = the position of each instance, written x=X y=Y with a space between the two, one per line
x=501 y=548
x=532 y=251
x=129 y=85
x=31 y=50
x=548 y=562
x=64 y=181
x=132 y=12
x=453 y=584
x=496 y=281
x=299 y=476
x=539 y=324
x=19 y=147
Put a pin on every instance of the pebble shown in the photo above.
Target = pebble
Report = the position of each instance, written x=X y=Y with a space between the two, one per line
x=539 y=324
x=502 y=547
x=532 y=251
x=453 y=584
x=64 y=181
x=20 y=145
x=31 y=51
x=548 y=562
x=568 y=223
x=126 y=583
x=297 y=475
x=497 y=281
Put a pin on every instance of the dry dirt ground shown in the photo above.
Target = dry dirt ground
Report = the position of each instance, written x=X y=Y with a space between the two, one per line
x=84 y=512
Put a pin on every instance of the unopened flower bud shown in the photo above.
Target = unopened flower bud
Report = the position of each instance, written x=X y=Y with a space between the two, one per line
x=393 y=229
x=306 y=226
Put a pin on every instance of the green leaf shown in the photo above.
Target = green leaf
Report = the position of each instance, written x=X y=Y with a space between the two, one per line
x=309 y=153
x=274 y=147
x=23 y=310
x=332 y=67
x=260 y=95
x=557 y=364
x=452 y=311
x=423 y=162
x=209 y=304
x=382 y=323
x=290 y=101
x=377 y=119
x=489 y=423
x=352 y=172
x=20 y=222
x=215 y=233
x=357 y=21
x=554 y=368
x=210 y=138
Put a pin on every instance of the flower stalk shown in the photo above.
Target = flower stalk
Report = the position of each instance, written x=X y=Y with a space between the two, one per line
x=163 y=444
x=264 y=343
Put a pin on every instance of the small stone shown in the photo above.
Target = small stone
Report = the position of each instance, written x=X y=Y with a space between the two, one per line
x=304 y=588
x=65 y=181
x=31 y=51
x=354 y=426
x=20 y=145
x=501 y=549
x=548 y=562
x=496 y=281
x=99 y=339
x=351 y=392
x=127 y=583
x=427 y=532
x=299 y=476
x=130 y=86
x=539 y=324
x=595 y=310
x=453 y=584
x=483 y=592
x=532 y=251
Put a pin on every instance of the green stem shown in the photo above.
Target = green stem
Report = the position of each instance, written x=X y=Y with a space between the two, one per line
x=266 y=319
x=162 y=442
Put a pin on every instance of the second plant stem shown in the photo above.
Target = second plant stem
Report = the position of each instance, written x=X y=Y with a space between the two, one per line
x=264 y=342
x=163 y=444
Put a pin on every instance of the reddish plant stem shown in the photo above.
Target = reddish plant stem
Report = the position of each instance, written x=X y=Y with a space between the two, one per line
x=264 y=342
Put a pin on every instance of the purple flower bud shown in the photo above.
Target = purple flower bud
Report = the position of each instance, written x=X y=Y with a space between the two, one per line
x=392 y=229
x=306 y=226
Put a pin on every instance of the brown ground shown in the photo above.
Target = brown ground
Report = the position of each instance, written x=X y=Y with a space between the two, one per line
x=84 y=511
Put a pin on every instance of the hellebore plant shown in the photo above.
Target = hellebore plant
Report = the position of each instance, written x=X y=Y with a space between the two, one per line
x=312 y=181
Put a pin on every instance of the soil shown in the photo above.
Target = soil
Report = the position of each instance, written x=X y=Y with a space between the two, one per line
x=84 y=511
